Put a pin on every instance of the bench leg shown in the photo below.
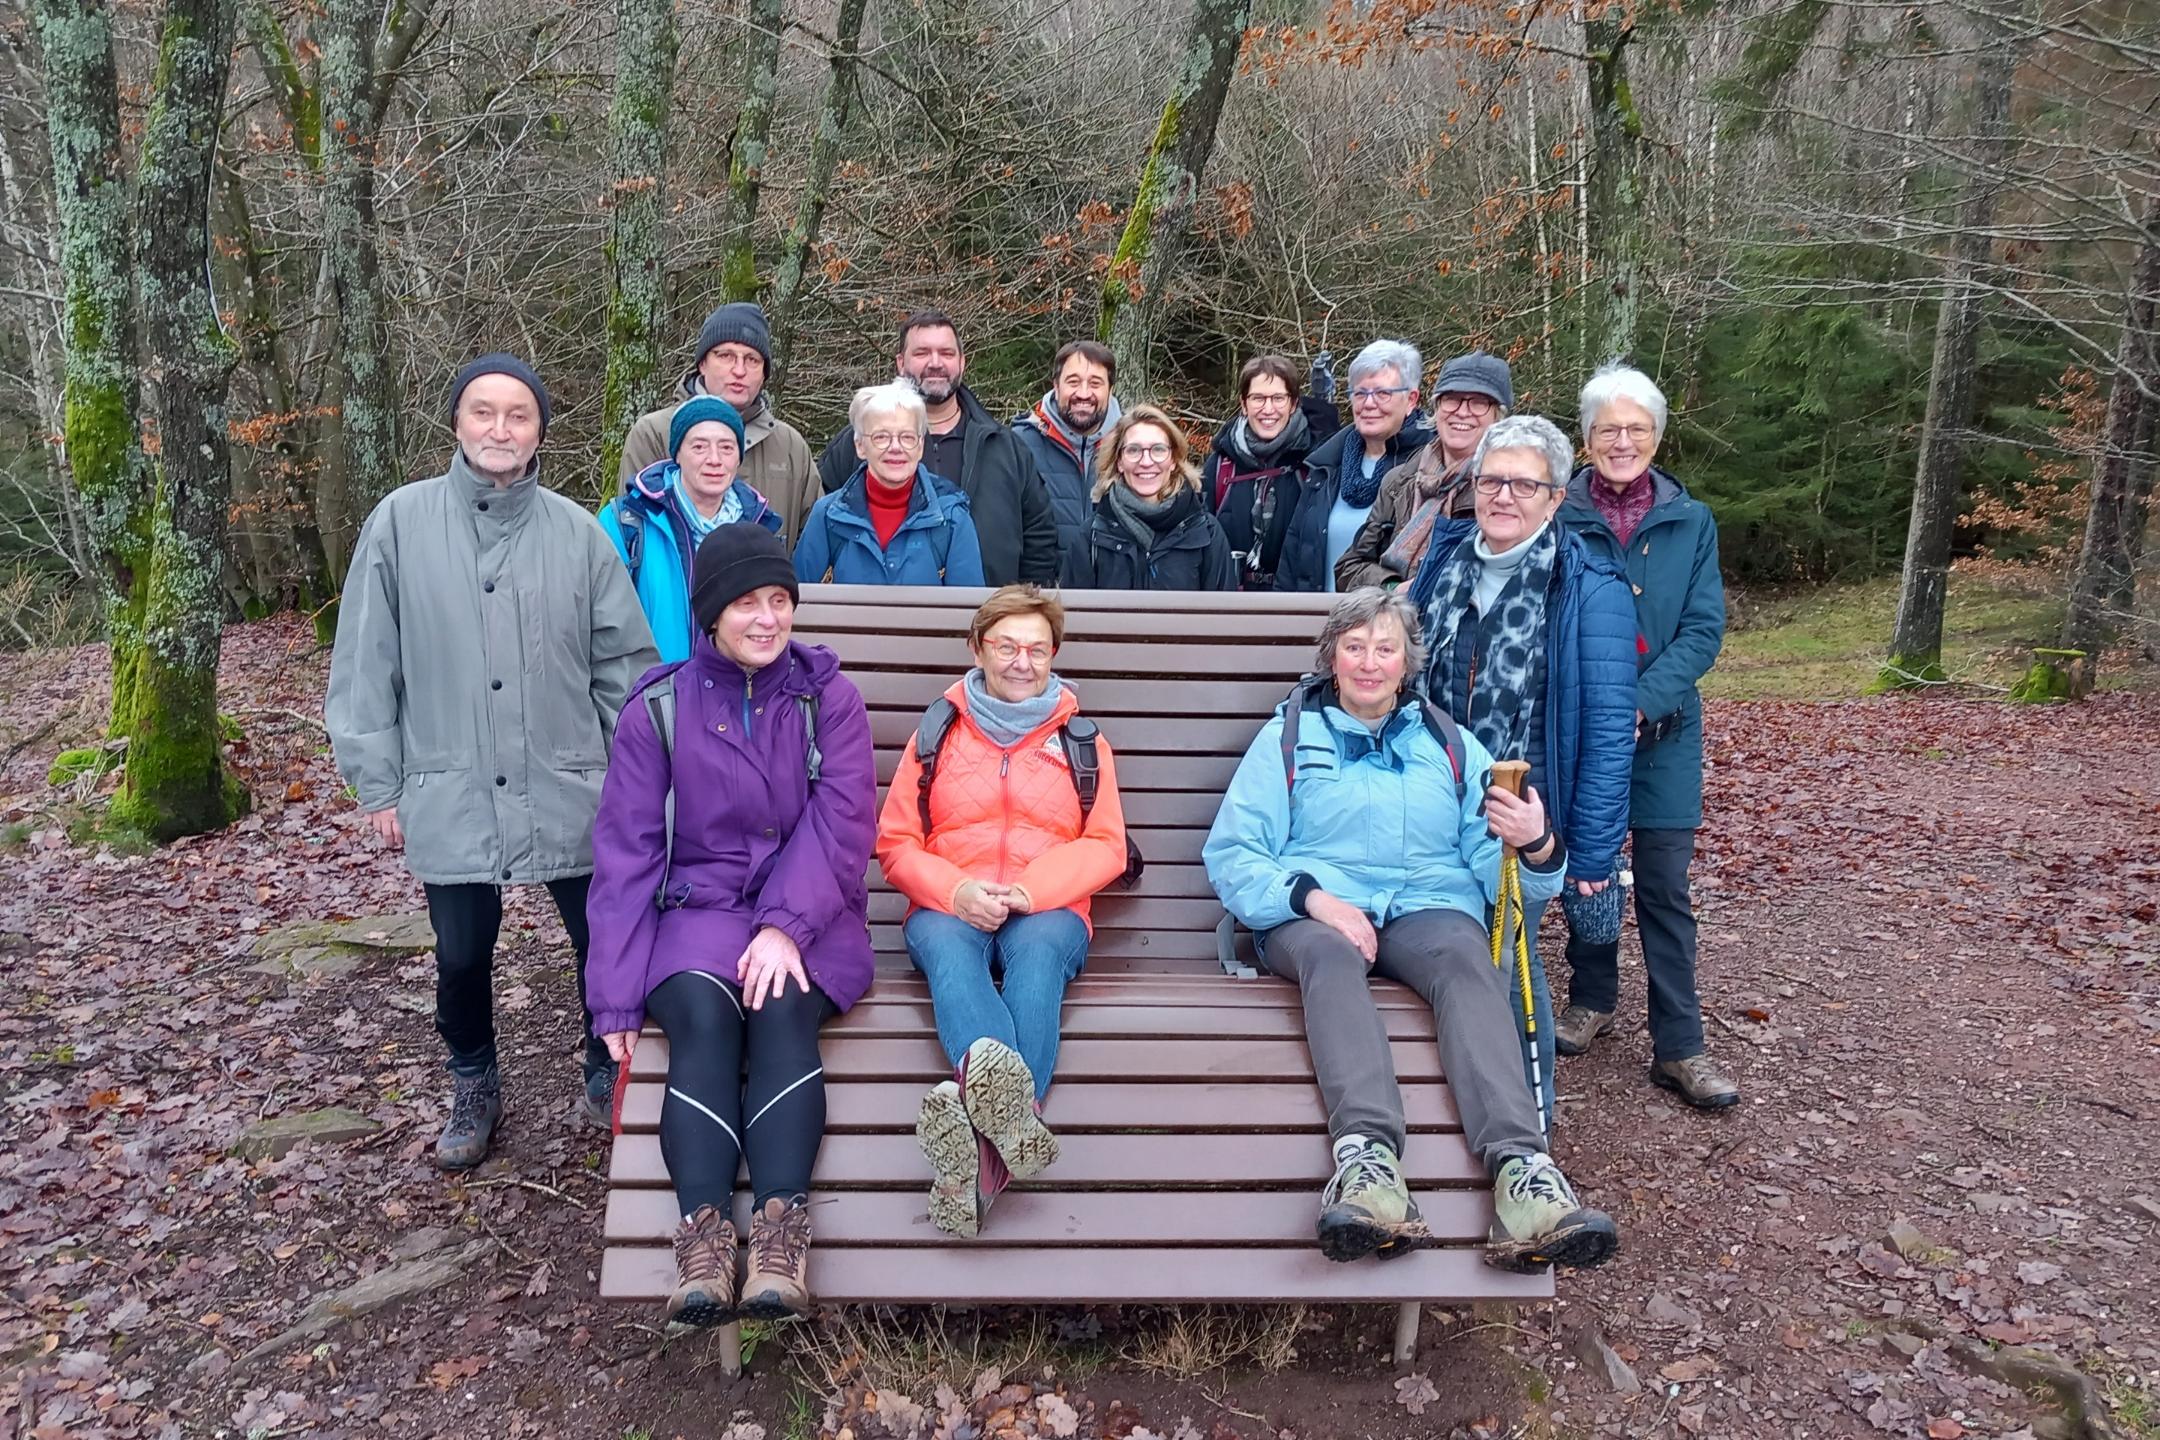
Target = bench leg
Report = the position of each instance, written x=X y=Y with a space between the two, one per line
x=731 y=1350
x=1406 y=1328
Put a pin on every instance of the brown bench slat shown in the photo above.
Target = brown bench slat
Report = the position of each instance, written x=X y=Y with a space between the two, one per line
x=1181 y=735
x=1213 y=988
x=1060 y=1218
x=1189 y=954
x=1207 y=775
x=1261 y=1061
x=1100 y=1105
x=1166 y=878
x=1078 y=659
x=1086 y=1019
x=1139 y=622
x=914 y=690
x=1191 y=1161
x=1168 y=809
x=1125 y=912
x=859 y=602
x=995 y=1275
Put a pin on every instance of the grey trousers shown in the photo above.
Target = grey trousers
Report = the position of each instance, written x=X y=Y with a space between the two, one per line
x=1445 y=956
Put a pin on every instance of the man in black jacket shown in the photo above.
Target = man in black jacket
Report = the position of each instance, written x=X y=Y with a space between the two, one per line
x=1007 y=499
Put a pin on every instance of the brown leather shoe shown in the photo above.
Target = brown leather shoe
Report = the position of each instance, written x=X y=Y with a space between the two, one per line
x=779 y=1283
x=1697 y=1081
x=704 y=1270
x=1577 y=1026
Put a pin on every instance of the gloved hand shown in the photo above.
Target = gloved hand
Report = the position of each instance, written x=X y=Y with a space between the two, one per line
x=1320 y=384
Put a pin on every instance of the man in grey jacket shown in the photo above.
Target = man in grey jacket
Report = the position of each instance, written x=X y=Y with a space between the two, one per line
x=487 y=637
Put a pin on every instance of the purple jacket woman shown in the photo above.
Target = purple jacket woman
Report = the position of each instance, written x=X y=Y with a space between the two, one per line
x=752 y=933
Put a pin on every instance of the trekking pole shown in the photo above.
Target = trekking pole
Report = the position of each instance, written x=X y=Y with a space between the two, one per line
x=1508 y=915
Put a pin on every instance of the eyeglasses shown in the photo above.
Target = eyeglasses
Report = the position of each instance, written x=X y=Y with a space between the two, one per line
x=1606 y=434
x=1521 y=489
x=1267 y=402
x=1157 y=451
x=1370 y=395
x=1471 y=404
x=896 y=440
x=1005 y=652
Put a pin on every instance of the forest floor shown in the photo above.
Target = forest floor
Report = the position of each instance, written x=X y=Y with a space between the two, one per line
x=1931 y=955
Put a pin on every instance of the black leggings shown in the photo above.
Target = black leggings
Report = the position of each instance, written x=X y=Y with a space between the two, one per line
x=725 y=1061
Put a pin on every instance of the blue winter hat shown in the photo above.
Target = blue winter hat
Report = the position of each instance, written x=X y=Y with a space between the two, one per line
x=697 y=410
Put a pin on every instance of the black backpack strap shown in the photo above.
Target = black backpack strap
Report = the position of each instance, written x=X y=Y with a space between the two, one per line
x=1078 y=736
x=1310 y=687
x=660 y=707
x=929 y=739
x=813 y=758
x=1444 y=729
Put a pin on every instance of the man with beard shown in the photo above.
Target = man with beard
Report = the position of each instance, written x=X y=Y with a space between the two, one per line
x=1006 y=496
x=1062 y=430
x=733 y=362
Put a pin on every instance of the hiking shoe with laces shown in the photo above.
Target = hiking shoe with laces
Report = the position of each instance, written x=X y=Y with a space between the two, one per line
x=1696 y=1080
x=704 y=1270
x=1366 y=1207
x=949 y=1143
x=475 y=1111
x=1577 y=1026
x=779 y=1283
x=1538 y=1222
x=998 y=1091
x=597 y=1104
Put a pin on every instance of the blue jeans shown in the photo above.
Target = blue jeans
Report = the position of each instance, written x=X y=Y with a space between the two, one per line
x=1037 y=955
x=1541 y=1002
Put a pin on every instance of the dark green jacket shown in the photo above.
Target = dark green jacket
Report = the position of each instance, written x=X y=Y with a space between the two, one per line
x=1672 y=565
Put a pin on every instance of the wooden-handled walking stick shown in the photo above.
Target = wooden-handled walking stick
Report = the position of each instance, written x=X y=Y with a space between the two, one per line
x=1511 y=775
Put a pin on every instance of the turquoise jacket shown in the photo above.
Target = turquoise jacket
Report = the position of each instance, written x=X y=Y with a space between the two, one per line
x=660 y=566
x=1375 y=822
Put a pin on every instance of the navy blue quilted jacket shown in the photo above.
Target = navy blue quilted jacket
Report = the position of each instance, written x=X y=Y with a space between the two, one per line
x=1582 y=754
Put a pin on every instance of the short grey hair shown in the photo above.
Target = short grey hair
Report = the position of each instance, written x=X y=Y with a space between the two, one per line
x=1616 y=381
x=1397 y=355
x=1361 y=607
x=894 y=397
x=1528 y=432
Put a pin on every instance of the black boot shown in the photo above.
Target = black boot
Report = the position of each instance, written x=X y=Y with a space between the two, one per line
x=597 y=1104
x=475 y=1111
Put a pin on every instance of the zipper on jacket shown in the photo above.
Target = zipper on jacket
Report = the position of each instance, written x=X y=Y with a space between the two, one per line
x=1005 y=803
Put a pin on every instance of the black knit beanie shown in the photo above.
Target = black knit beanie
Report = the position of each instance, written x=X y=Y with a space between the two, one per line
x=739 y=323
x=501 y=364
x=733 y=561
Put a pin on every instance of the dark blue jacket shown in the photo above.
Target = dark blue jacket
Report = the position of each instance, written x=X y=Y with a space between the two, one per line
x=1671 y=564
x=1303 y=565
x=935 y=544
x=1583 y=746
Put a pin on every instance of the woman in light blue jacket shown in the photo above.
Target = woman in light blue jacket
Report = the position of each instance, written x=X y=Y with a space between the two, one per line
x=893 y=522
x=1354 y=846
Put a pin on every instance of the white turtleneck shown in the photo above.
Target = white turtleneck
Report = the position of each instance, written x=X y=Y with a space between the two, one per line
x=1494 y=571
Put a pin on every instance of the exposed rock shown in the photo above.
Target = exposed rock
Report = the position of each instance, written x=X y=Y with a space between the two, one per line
x=1602 y=1364
x=315 y=949
x=424 y=1241
x=384 y=1288
x=1907 y=1239
x=271 y=1139
x=1664 y=1310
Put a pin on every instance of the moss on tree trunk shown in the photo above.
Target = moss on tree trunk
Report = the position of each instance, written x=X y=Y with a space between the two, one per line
x=637 y=280
x=824 y=156
x=753 y=130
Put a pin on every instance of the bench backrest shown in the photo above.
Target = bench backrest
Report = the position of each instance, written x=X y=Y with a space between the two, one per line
x=1179 y=683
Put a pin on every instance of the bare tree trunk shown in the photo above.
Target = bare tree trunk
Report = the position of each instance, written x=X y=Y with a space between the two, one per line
x=817 y=186
x=104 y=444
x=176 y=782
x=1617 y=172
x=1161 y=217
x=2104 y=566
x=1916 y=638
x=367 y=375
x=25 y=224
x=753 y=128
x=637 y=280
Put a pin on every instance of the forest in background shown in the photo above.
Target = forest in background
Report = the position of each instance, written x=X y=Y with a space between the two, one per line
x=1861 y=246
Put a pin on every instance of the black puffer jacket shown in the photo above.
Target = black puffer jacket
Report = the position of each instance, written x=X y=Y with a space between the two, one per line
x=1189 y=553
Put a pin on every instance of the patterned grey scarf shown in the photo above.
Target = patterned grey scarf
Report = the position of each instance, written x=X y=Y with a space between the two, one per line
x=1510 y=668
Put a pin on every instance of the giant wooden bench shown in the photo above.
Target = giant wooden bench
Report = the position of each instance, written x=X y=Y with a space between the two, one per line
x=1194 y=1143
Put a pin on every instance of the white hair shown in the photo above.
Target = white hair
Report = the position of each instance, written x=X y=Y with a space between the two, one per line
x=1397 y=355
x=894 y=397
x=1528 y=432
x=1617 y=381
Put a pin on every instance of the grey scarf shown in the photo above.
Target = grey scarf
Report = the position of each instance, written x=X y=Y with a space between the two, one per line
x=1511 y=659
x=1253 y=453
x=1007 y=722
x=1147 y=520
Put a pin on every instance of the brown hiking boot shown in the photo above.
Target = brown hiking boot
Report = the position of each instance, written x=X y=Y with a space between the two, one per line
x=1577 y=1026
x=704 y=1270
x=1697 y=1081
x=779 y=1283
x=476 y=1109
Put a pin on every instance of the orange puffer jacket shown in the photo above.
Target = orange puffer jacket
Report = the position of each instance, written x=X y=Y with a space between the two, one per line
x=1008 y=816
